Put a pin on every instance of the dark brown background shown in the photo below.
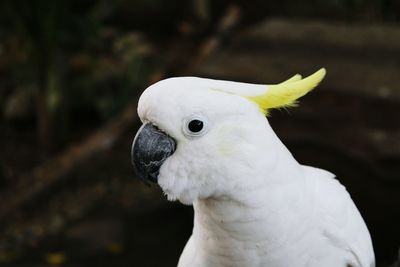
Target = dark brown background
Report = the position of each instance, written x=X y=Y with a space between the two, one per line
x=70 y=75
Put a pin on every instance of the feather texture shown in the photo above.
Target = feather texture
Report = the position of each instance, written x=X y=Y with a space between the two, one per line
x=255 y=205
x=285 y=94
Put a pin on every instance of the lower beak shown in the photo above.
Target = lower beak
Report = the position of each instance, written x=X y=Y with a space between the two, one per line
x=150 y=149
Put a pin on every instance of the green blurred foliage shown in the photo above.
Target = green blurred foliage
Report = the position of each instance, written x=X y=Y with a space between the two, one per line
x=71 y=56
x=88 y=58
x=106 y=80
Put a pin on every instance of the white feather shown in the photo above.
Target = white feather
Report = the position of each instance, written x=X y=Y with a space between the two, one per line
x=255 y=205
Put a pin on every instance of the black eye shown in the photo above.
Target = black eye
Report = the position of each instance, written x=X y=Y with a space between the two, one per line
x=195 y=126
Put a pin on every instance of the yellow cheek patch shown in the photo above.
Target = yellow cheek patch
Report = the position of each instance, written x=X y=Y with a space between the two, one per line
x=227 y=138
x=223 y=150
x=285 y=94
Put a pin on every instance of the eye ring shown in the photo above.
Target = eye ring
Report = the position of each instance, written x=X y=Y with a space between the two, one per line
x=195 y=126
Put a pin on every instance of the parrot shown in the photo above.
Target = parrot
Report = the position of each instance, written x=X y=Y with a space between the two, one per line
x=208 y=143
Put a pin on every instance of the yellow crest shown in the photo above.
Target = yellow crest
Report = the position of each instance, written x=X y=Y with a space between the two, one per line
x=286 y=93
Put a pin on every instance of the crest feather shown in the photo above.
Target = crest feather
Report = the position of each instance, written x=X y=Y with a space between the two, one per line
x=286 y=93
x=295 y=78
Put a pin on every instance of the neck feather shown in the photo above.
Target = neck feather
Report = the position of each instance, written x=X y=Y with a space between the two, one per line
x=266 y=207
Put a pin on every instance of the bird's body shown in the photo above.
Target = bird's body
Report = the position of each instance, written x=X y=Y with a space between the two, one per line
x=303 y=217
x=255 y=205
x=328 y=232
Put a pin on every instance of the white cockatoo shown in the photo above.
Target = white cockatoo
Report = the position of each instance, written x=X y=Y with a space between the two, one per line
x=208 y=143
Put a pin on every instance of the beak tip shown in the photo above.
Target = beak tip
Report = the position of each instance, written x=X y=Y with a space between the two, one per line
x=150 y=149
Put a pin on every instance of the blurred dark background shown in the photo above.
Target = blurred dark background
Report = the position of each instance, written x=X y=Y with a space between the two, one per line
x=70 y=76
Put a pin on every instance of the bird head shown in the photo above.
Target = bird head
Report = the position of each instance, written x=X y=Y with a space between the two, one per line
x=204 y=138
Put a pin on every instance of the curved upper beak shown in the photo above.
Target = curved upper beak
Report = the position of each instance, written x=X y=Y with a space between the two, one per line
x=150 y=149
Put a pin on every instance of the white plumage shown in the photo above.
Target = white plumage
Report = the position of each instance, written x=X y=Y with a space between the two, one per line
x=255 y=205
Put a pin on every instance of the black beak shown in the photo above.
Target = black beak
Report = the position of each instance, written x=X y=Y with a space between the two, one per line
x=150 y=149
